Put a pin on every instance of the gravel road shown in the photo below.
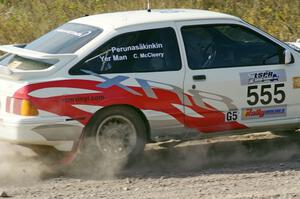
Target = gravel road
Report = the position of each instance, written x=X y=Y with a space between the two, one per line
x=250 y=166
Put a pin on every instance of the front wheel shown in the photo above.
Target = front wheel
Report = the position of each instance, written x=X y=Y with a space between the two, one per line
x=116 y=134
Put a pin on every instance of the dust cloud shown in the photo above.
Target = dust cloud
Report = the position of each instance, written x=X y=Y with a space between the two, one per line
x=22 y=166
x=90 y=164
x=180 y=156
x=216 y=153
x=19 y=165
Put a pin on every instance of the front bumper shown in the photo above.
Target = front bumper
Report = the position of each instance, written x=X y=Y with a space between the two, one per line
x=56 y=132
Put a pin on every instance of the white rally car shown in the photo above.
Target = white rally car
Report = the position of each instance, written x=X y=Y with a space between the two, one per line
x=123 y=78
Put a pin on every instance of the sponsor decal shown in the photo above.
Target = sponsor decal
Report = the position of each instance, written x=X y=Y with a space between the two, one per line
x=148 y=55
x=170 y=11
x=296 y=82
x=82 y=99
x=263 y=112
x=260 y=77
x=74 y=33
x=139 y=47
x=124 y=53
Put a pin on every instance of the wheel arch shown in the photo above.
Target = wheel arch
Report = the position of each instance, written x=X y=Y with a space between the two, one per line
x=141 y=114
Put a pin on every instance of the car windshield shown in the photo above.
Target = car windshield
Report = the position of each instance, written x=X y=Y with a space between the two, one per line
x=67 y=38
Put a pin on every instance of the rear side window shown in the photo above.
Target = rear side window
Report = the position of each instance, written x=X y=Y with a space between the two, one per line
x=227 y=45
x=142 y=51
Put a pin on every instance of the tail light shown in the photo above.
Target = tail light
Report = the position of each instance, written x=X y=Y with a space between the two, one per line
x=22 y=107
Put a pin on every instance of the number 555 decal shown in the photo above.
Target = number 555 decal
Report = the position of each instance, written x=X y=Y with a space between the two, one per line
x=265 y=94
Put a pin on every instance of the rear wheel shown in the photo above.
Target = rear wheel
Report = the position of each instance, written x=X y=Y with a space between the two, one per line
x=116 y=134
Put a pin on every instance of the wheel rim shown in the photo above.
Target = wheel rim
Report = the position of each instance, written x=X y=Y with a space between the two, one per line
x=116 y=137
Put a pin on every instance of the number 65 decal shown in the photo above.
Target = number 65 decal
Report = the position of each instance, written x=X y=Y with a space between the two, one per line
x=267 y=94
x=231 y=116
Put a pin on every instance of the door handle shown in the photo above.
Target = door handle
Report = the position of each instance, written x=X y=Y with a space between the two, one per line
x=199 y=77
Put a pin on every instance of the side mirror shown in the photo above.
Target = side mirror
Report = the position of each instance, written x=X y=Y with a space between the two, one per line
x=288 y=57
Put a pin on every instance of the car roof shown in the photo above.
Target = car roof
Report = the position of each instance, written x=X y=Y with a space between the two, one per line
x=122 y=19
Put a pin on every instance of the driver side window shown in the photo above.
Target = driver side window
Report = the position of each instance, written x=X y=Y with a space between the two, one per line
x=144 y=51
x=228 y=45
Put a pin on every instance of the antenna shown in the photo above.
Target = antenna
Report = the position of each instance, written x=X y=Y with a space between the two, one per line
x=148 y=6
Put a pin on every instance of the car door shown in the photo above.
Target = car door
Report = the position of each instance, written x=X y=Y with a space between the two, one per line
x=236 y=77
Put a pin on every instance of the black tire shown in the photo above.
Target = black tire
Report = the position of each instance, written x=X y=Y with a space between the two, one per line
x=107 y=135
